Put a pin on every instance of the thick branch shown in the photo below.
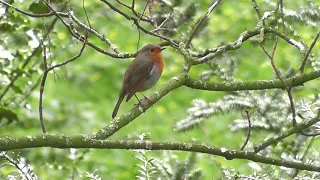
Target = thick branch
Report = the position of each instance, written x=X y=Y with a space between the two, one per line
x=251 y=85
x=82 y=141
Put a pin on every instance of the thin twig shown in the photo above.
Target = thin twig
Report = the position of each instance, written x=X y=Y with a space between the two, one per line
x=44 y=77
x=249 y=131
x=143 y=17
x=193 y=32
x=144 y=10
x=293 y=109
x=43 y=127
x=85 y=12
x=278 y=73
x=163 y=22
x=97 y=34
x=136 y=22
x=271 y=57
x=83 y=38
x=256 y=8
x=244 y=36
x=301 y=69
x=77 y=35
x=282 y=14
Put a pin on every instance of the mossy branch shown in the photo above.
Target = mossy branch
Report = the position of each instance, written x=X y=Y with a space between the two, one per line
x=82 y=141
x=299 y=80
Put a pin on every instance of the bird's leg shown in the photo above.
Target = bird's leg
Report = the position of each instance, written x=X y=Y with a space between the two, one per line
x=139 y=104
x=149 y=100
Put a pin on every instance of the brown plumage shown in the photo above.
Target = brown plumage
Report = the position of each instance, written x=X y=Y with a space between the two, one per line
x=144 y=71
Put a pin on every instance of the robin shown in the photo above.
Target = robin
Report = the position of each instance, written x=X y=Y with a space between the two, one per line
x=143 y=73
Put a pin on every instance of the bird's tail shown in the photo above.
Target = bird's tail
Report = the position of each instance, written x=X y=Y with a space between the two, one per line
x=115 y=111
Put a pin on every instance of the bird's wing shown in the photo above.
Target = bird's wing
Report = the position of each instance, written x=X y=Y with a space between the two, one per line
x=137 y=75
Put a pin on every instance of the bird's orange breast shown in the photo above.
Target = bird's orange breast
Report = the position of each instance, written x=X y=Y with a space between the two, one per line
x=157 y=58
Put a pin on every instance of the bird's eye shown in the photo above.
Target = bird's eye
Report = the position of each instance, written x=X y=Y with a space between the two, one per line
x=151 y=50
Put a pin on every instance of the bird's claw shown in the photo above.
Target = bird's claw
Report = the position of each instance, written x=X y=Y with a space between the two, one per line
x=139 y=104
x=149 y=100
x=142 y=104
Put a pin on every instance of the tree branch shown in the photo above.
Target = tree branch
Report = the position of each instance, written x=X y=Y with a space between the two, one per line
x=82 y=141
x=44 y=78
x=211 y=53
x=249 y=130
x=279 y=75
x=136 y=22
x=251 y=85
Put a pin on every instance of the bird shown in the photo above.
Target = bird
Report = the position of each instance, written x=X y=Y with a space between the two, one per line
x=142 y=74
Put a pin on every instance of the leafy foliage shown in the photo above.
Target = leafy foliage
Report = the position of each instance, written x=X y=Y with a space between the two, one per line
x=14 y=167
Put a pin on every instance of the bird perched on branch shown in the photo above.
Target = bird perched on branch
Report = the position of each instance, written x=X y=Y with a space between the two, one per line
x=143 y=73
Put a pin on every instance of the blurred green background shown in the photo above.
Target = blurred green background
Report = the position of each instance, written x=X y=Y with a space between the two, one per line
x=79 y=97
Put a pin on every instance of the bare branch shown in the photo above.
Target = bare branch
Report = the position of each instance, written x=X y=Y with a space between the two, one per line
x=44 y=77
x=211 y=8
x=249 y=131
x=212 y=53
x=301 y=69
x=256 y=8
x=136 y=22
x=278 y=73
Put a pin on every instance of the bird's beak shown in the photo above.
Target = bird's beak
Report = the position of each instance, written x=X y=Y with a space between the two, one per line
x=162 y=48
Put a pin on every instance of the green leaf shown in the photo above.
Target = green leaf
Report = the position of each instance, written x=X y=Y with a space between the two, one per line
x=17 y=89
x=7 y=27
x=38 y=8
x=8 y=114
